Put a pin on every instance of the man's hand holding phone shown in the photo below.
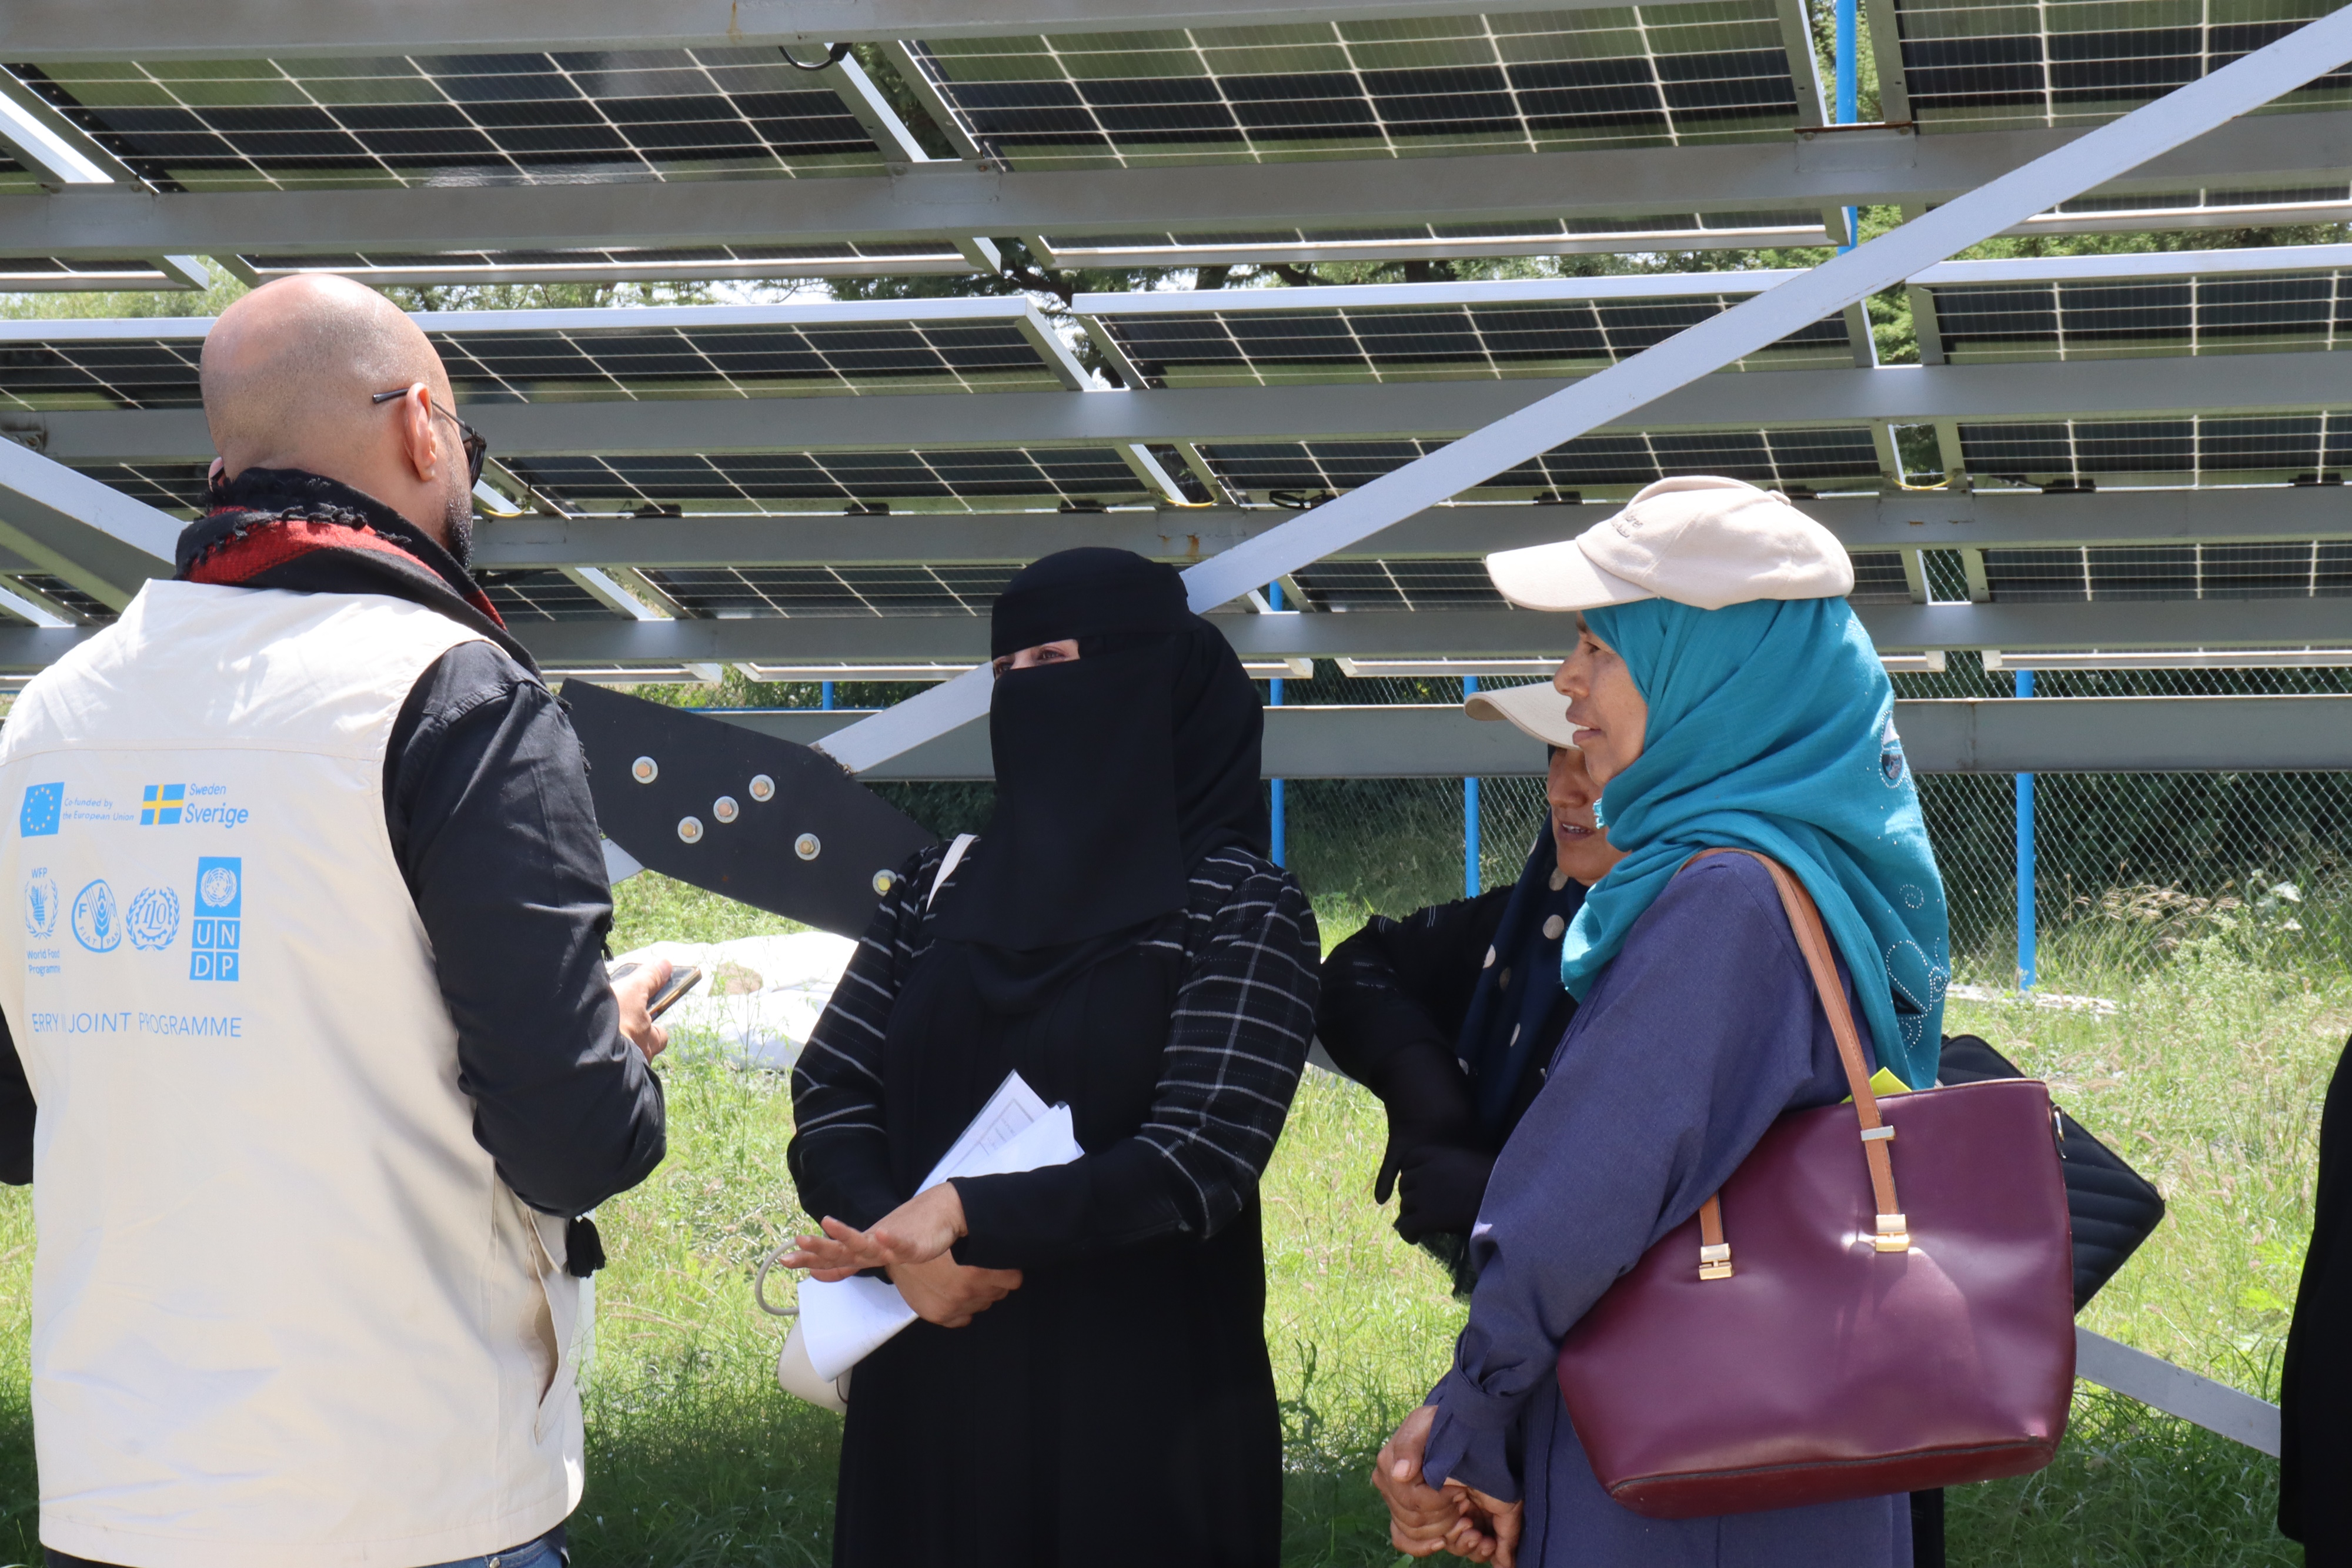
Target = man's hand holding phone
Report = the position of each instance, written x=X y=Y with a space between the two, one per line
x=644 y=991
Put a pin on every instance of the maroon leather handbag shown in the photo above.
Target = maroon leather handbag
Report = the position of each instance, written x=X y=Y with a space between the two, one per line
x=1810 y=1337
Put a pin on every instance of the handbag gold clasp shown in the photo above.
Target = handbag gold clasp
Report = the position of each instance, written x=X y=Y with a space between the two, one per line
x=1893 y=1234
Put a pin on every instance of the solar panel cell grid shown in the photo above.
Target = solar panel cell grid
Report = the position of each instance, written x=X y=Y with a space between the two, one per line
x=45 y=272
x=2286 y=569
x=1400 y=585
x=1972 y=66
x=794 y=482
x=2079 y=320
x=829 y=590
x=1590 y=464
x=772 y=361
x=1878 y=579
x=1243 y=347
x=121 y=374
x=621 y=263
x=525 y=596
x=458 y=118
x=1520 y=82
x=2233 y=449
x=58 y=591
x=171 y=487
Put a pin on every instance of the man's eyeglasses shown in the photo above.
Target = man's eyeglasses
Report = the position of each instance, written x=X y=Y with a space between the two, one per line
x=471 y=440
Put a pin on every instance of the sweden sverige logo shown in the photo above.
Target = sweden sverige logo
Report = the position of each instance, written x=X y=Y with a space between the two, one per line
x=43 y=803
x=216 y=924
x=160 y=805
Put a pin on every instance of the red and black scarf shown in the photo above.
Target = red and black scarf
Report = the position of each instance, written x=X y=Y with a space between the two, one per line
x=281 y=528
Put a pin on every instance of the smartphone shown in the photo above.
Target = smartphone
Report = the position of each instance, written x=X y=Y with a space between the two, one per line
x=681 y=980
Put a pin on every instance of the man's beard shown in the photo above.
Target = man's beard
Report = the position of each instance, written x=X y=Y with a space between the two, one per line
x=457 y=521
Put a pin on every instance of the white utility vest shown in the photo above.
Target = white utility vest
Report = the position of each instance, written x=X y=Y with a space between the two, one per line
x=285 y=1314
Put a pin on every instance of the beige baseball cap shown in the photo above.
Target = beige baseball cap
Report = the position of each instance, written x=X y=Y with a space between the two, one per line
x=1696 y=539
x=1535 y=708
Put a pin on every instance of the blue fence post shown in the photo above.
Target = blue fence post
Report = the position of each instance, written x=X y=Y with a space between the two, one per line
x=1848 y=108
x=1275 y=835
x=1470 y=887
x=827 y=700
x=2025 y=932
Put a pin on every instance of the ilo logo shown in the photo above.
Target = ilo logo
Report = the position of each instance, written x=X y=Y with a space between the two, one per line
x=97 y=922
x=154 y=918
x=40 y=905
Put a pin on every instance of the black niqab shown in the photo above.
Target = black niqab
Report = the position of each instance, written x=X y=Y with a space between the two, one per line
x=1116 y=773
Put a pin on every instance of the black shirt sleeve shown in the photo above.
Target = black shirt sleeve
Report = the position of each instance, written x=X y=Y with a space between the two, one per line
x=1399 y=983
x=16 y=1114
x=486 y=798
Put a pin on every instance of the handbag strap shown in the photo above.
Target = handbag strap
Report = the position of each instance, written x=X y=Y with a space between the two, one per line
x=947 y=868
x=1805 y=922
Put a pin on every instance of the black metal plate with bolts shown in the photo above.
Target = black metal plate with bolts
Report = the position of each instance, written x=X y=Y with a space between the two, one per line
x=774 y=824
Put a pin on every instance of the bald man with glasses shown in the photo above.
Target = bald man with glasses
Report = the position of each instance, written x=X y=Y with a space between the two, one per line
x=307 y=839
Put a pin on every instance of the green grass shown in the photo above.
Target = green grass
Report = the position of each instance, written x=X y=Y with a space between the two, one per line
x=2210 y=1080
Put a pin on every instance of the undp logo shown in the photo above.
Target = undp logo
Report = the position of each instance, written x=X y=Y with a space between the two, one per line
x=216 y=924
x=97 y=924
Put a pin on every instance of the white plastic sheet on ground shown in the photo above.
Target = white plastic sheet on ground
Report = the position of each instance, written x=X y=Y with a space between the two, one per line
x=758 y=996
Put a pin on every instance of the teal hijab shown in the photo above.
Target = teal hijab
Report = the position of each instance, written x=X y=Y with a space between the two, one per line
x=1773 y=728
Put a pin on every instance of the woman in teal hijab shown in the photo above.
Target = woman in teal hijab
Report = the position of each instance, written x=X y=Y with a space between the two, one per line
x=1725 y=697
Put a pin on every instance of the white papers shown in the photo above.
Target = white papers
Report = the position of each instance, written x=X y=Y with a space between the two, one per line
x=845 y=1321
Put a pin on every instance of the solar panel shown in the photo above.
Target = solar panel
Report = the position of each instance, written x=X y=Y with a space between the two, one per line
x=625 y=264
x=1979 y=67
x=1399 y=585
x=2117 y=319
x=519 y=118
x=65 y=595
x=1614 y=464
x=805 y=482
x=1519 y=82
x=44 y=272
x=2209 y=449
x=538 y=356
x=1430 y=331
x=526 y=596
x=2308 y=568
x=728 y=592
x=1553 y=237
x=170 y=487
x=1879 y=579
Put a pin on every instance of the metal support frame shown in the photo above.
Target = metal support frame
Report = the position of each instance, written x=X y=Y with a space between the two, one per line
x=943 y=201
x=1751 y=399
x=70 y=526
x=2125 y=734
x=60 y=153
x=2097 y=156
x=1908 y=521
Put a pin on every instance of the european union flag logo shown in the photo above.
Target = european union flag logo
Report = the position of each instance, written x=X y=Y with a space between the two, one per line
x=161 y=805
x=43 y=805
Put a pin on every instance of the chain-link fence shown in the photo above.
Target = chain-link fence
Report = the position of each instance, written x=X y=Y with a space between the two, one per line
x=2127 y=867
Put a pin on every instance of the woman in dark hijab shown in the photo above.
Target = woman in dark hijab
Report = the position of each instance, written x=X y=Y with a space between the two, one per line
x=1090 y=1381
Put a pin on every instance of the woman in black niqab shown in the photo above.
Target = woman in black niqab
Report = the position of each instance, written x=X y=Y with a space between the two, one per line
x=1116 y=771
x=1118 y=937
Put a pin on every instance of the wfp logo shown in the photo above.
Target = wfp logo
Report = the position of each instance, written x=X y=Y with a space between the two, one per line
x=160 y=805
x=40 y=906
x=39 y=816
x=97 y=924
x=154 y=918
x=216 y=924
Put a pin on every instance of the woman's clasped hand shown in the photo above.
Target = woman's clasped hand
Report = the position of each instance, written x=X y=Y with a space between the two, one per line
x=912 y=1244
x=1424 y=1520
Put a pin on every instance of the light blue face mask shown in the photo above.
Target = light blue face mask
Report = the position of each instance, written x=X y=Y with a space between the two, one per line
x=1771 y=729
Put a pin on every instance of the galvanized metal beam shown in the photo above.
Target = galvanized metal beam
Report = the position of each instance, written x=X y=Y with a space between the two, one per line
x=2098 y=735
x=1908 y=520
x=38 y=30
x=945 y=202
x=1911 y=394
x=68 y=524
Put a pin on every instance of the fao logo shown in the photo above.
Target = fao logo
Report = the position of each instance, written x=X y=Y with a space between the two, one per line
x=97 y=924
x=40 y=906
